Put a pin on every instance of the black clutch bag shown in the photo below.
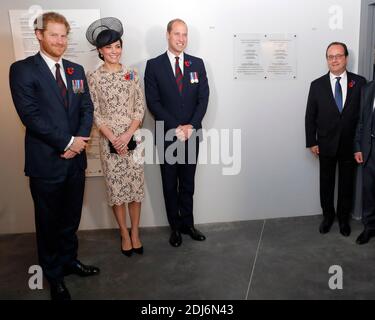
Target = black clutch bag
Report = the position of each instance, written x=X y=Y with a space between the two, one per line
x=131 y=145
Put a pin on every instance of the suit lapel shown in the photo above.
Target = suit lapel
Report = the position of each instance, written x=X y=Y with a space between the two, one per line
x=370 y=98
x=169 y=70
x=186 y=79
x=372 y=94
x=349 y=90
x=68 y=83
x=48 y=77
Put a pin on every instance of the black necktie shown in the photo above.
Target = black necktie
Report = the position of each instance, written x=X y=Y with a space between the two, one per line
x=61 y=85
x=178 y=75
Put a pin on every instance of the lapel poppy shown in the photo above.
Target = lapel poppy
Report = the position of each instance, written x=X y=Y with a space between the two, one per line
x=188 y=63
x=70 y=71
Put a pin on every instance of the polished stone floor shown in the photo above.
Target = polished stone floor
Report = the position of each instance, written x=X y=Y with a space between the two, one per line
x=254 y=260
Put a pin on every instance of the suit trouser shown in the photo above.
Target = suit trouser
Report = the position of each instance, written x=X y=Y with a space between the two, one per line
x=58 y=206
x=346 y=172
x=368 y=191
x=178 y=181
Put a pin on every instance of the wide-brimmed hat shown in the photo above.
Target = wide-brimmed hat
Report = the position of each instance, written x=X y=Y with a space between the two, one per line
x=104 y=31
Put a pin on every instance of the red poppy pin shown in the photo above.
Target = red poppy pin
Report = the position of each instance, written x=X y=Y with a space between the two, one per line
x=188 y=63
x=70 y=71
x=351 y=84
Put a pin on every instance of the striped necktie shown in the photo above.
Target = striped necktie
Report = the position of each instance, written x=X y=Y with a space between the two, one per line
x=178 y=75
x=61 y=84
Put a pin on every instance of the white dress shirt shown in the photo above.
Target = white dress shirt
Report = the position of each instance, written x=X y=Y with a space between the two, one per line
x=172 y=59
x=344 y=85
x=52 y=66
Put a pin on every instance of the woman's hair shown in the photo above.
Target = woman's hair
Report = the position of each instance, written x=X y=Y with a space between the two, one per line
x=105 y=38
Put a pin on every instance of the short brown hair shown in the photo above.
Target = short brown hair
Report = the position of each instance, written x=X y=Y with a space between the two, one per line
x=336 y=43
x=40 y=23
x=170 y=24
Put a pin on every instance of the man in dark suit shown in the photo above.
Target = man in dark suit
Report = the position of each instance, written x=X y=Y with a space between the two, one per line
x=177 y=94
x=52 y=99
x=365 y=155
x=331 y=117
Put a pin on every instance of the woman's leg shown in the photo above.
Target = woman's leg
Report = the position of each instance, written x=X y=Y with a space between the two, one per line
x=135 y=213
x=119 y=212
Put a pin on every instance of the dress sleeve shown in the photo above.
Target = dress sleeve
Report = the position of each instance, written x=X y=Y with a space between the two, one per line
x=98 y=120
x=139 y=100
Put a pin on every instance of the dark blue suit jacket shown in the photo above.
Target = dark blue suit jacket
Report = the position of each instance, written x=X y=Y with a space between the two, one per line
x=49 y=125
x=165 y=101
x=363 y=140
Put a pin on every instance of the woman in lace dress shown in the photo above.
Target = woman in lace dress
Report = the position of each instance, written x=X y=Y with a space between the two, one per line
x=118 y=112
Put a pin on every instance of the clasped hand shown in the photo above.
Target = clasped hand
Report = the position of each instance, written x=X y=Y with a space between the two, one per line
x=120 y=143
x=79 y=144
x=184 y=132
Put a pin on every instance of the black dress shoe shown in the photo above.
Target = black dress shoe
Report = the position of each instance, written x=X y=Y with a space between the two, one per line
x=326 y=225
x=127 y=253
x=175 y=239
x=138 y=250
x=59 y=292
x=365 y=236
x=194 y=233
x=81 y=270
x=345 y=229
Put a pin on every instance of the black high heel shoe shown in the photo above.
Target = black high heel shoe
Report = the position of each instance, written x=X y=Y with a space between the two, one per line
x=127 y=253
x=137 y=250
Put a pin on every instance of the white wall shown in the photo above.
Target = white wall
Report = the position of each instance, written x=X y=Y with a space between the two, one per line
x=279 y=177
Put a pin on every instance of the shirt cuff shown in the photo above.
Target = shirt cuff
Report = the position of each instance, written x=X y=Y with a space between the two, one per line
x=69 y=144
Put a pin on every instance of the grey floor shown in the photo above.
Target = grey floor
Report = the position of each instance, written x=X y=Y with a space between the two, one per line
x=266 y=259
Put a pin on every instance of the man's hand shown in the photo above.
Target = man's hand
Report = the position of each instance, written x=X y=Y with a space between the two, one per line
x=358 y=156
x=315 y=150
x=79 y=144
x=184 y=132
x=180 y=134
x=68 y=154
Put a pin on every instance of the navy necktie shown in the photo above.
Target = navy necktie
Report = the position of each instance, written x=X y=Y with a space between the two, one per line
x=338 y=94
x=178 y=75
x=61 y=84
